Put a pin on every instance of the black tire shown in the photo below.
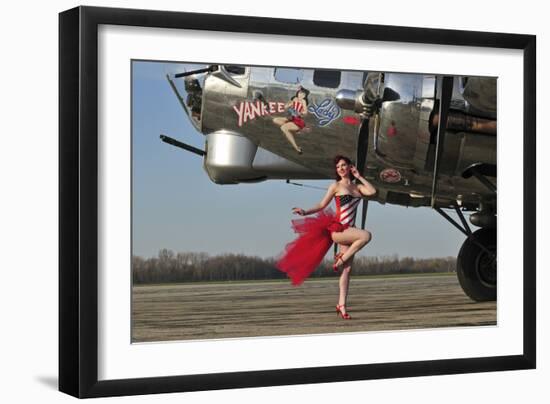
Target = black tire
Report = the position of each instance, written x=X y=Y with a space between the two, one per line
x=476 y=268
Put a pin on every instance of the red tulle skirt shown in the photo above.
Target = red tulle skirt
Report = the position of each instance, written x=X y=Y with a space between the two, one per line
x=303 y=255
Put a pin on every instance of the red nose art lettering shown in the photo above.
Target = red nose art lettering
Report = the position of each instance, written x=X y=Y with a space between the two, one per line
x=240 y=113
x=247 y=113
x=247 y=110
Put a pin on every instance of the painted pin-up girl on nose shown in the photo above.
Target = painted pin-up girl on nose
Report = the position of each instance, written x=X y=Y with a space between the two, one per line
x=294 y=122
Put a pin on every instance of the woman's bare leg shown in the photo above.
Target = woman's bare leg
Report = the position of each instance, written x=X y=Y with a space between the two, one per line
x=280 y=121
x=289 y=129
x=355 y=238
x=344 y=279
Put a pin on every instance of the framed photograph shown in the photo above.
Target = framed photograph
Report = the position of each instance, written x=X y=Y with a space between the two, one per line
x=239 y=193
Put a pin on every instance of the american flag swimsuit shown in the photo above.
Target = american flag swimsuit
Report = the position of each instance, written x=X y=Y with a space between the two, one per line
x=346 y=208
x=298 y=120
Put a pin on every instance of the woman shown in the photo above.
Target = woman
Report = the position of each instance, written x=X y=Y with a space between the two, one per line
x=317 y=234
x=297 y=109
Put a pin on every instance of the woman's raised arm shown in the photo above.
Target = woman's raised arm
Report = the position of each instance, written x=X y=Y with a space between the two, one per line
x=366 y=188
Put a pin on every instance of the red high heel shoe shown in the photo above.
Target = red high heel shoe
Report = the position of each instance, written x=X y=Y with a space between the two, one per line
x=337 y=258
x=344 y=316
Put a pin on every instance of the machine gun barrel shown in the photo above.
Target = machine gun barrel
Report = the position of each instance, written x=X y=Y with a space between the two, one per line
x=177 y=143
x=190 y=73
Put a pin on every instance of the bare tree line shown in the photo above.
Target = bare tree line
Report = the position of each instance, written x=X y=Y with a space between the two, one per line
x=196 y=267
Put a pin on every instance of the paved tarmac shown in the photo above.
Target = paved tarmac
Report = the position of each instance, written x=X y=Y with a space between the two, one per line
x=195 y=311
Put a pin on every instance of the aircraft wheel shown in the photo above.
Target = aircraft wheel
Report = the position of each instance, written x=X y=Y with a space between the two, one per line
x=476 y=268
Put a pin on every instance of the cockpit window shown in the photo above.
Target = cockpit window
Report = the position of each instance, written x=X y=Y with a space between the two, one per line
x=327 y=78
x=235 y=69
x=287 y=75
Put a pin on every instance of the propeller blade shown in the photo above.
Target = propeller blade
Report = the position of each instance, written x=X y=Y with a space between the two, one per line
x=362 y=149
x=364 y=213
x=362 y=146
x=446 y=93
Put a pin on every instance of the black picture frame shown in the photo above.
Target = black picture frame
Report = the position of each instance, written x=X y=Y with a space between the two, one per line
x=78 y=201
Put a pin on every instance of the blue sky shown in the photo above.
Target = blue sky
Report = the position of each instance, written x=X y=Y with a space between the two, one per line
x=176 y=206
